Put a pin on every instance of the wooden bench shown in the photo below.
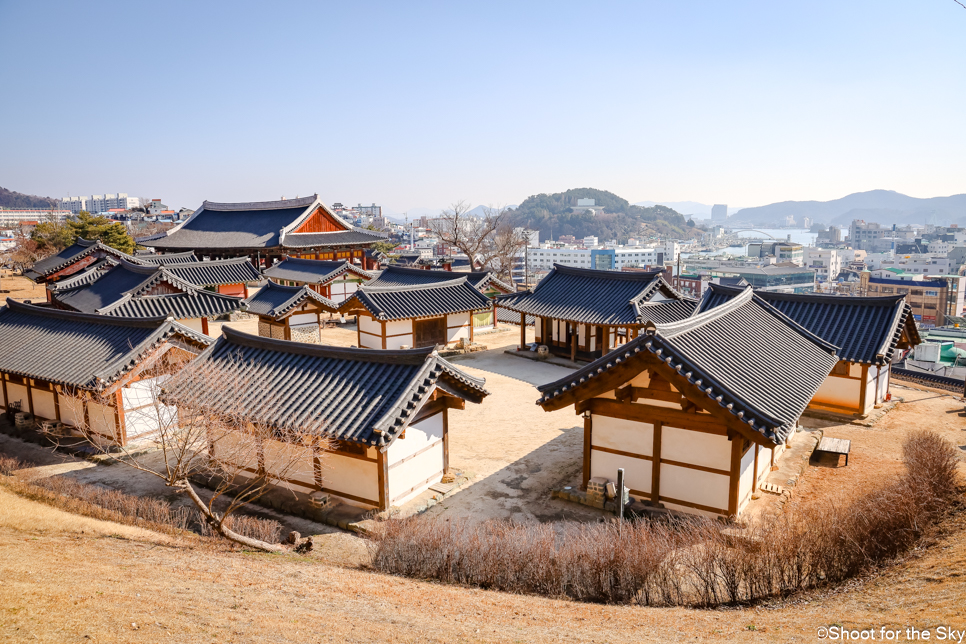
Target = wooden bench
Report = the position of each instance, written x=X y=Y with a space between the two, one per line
x=835 y=446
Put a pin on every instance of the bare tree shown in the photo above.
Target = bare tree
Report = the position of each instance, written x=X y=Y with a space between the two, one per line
x=490 y=242
x=242 y=457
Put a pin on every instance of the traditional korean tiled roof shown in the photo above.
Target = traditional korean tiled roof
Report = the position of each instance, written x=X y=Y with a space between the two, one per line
x=358 y=395
x=867 y=330
x=426 y=300
x=667 y=311
x=596 y=297
x=252 y=225
x=86 y=276
x=401 y=276
x=312 y=271
x=744 y=355
x=76 y=349
x=335 y=238
x=124 y=291
x=238 y=270
x=167 y=259
x=75 y=252
x=275 y=300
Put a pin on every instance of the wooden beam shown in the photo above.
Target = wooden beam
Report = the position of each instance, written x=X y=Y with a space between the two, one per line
x=737 y=442
x=445 y=440
x=865 y=385
x=656 y=464
x=588 y=445
x=644 y=413
x=384 y=334
x=754 y=481
x=382 y=466
x=573 y=341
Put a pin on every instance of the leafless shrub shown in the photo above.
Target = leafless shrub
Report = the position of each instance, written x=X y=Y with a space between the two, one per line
x=691 y=562
x=100 y=503
x=267 y=530
x=10 y=464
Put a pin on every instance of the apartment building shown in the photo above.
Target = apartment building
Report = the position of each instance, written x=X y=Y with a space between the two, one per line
x=826 y=262
x=15 y=217
x=610 y=259
x=100 y=203
x=929 y=298
x=783 y=252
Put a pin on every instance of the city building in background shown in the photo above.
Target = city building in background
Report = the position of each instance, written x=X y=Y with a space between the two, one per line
x=100 y=203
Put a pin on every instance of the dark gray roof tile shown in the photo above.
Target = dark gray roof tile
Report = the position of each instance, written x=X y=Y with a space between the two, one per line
x=275 y=300
x=426 y=300
x=312 y=271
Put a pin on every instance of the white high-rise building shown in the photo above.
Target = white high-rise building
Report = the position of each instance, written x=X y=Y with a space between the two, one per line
x=100 y=203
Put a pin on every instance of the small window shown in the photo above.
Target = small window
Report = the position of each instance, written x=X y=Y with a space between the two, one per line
x=932 y=293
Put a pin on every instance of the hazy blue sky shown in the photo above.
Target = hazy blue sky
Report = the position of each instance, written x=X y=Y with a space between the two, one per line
x=417 y=104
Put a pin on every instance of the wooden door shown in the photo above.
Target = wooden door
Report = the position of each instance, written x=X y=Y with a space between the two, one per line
x=429 y=333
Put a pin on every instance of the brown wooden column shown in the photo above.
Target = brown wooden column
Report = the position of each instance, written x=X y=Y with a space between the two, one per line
x=865 y=385
x=573 y=341
x=6 y=397
x=383 y=322
x=56 y=402
x=523 y=331
x=588 y=443
x=754 y=481
x=204 y=325
x=494 y=315
x=445 y=440
x=382 y=466
x=737 y=442
x=656 y=464
x=119 y=421
x=30 y=396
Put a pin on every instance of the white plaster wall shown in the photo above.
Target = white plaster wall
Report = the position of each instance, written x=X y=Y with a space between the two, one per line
x=747 y=478
x=399 y=341
x=840 y=392
x=537 y=330
x=71 y=411
x=102 y=419
x=557 y=333
x=696 y=448
x=192 y=323
x=695 y=486
x=18 y=392
x=593 y=341
x=44 y=404
x=637 y=471
x=764 y=462
x=370 y=341
x=396 y=327
x=367 y=323
x=427 y=433
x=581 y=334
x=624 y=435
x=292 y=462
x=351 y=476
x=142 y=422
x=235 y=450
x=418 y=436
x=303 y=318
x=462 y=323
x=883 y=384
x=408 y=479
x=855 y=370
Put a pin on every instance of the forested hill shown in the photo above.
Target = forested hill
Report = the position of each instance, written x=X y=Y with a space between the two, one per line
x=557 y=214
x=19 y=201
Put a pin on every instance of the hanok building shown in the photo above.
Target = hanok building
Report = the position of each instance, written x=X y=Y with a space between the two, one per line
x=266 y=232
x=582 y=313
x=336 y=280
x=387 y=412
x=88 y=371
x=225 y=276
x=395 y=316
x=697 y=411
x=869 y=331
x=82 y=254
x=129 y=290
x=289 y=312
x=483 y=281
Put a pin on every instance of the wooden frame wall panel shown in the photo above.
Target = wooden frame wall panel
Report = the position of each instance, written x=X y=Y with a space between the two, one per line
x=737 y=442
x=382 y=467
x=588 y=445
x=656 y=466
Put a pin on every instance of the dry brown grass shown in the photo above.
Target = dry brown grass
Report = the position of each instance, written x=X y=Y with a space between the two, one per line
x=686 y=562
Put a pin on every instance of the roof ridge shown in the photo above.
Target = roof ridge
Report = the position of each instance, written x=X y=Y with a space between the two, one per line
x=216 y=206
x=672 y=329
x=367 y=288
x=629 y=276
x=47 y=311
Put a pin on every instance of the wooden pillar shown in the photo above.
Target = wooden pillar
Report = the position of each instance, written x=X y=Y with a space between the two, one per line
x=359 y=330
x=204 y=325
x=384 y=334
x=471 y=326
x=288 y=330
x=523 y=331
x=573 y=341
x=863 y=387
x=656 y=464
x=737 y=442
x=119 y=424
x=6 y=397
x=754 y=482
x=445 y=440
x=30 y=396
x=588 y=433
x=494 y=315
x=382 y=466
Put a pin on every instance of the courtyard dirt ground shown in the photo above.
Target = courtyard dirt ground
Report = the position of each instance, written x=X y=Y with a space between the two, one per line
x=20 y=288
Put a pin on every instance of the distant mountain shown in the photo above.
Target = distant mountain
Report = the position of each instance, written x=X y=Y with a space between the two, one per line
x=19 y=201
x=882 y=206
